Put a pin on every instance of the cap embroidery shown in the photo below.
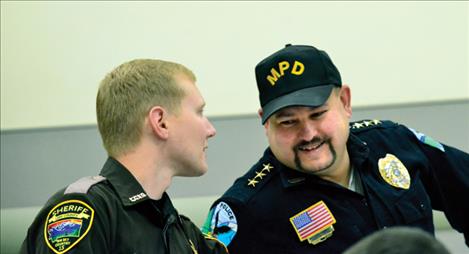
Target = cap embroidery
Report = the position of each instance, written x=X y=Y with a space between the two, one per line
x=297 y=69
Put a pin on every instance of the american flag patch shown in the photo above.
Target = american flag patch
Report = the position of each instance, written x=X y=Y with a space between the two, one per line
x=312 y=220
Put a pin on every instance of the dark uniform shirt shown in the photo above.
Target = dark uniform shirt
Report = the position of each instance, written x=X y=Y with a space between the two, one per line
x=111 y=213
x=400 y=174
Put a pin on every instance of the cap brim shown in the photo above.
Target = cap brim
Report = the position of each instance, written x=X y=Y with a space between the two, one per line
x=310 y=97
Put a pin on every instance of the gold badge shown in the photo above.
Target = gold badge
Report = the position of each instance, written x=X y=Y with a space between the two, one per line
x=67 y=224
x=394 y=172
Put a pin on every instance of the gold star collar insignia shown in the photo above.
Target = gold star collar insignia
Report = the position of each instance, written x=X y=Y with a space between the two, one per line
x=365 y=123
x=267 y=167
x=252 y=182
x=260 y=175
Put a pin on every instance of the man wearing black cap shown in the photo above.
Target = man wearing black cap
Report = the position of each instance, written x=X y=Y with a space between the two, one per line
x=325 y=183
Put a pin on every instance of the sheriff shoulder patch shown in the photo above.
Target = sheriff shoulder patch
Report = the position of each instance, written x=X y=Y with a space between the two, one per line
x=67 y=224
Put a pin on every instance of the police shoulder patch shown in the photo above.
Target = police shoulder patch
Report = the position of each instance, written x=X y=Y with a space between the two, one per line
x=67 y=224
x=221 y=223
x=427 y=140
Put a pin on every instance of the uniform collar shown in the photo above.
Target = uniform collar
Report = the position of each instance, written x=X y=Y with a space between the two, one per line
x=358 y=150
x=291 y=177
x=166 y=208
x=125 y=184
x=288 y=176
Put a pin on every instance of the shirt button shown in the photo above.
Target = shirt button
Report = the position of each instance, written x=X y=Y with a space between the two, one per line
x=422 y=207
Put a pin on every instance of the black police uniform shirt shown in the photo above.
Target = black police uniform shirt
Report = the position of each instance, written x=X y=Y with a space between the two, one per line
x=111 y=213
x=400 y=176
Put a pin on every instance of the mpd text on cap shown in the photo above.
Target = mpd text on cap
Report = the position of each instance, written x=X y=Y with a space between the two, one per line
x=297 y=75
x=297 y=69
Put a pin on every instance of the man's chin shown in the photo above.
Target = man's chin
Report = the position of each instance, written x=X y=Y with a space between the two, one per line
x=312 y=171
x=195 y=172
x=202 y=171
x=314 y=168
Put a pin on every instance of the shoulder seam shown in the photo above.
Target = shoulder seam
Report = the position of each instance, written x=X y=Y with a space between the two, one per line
x=82 y=185
x=251 y=183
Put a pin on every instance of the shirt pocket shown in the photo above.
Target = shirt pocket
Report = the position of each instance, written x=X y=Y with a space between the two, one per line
x=414 y=208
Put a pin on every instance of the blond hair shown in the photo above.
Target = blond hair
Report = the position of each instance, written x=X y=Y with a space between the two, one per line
x=126 y=95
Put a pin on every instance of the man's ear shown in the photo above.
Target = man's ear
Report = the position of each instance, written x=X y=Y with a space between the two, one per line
x=346 y=99
x=158 y=117
x=260 y=112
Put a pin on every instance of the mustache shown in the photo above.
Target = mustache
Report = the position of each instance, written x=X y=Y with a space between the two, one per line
x=315 y=140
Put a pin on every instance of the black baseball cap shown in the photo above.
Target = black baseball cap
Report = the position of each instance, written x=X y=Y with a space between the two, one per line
x=297 y=75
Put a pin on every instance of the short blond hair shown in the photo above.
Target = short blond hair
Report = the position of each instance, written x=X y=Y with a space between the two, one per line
x=126 y=95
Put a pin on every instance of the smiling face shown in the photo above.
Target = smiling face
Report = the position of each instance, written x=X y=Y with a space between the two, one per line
x=189 y=133
x=312 y=140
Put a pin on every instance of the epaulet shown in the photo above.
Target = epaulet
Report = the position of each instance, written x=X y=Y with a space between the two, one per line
x=82 y=185
x=370 y=124
x=249 y=184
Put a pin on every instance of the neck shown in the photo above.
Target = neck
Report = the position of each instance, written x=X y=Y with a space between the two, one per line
x=343 y=179
x=154 y=177
x=341 y=172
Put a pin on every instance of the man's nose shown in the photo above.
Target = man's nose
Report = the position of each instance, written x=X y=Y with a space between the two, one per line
x=211 y=130
x=308 y=131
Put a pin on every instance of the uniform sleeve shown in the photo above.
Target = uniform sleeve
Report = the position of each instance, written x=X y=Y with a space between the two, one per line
x=202 y=242
x=71 y=224
x=446 y=180
x=228 y=221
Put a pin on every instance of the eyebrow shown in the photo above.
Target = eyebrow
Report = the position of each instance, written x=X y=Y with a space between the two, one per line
x=283 y=113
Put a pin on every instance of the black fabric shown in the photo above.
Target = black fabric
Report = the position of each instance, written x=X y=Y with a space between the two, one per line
x=439 y=180
x=125 y=220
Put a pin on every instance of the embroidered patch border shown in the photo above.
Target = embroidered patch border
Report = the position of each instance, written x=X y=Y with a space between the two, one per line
x=314 y=223
x=223 y=223
x=67 y=224
x=428 y=140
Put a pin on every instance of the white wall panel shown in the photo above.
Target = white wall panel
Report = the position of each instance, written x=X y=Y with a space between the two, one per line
x=53 y=54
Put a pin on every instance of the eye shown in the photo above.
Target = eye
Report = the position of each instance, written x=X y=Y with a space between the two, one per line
x=200 y=112
x=288 y=122
x=318 y=114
